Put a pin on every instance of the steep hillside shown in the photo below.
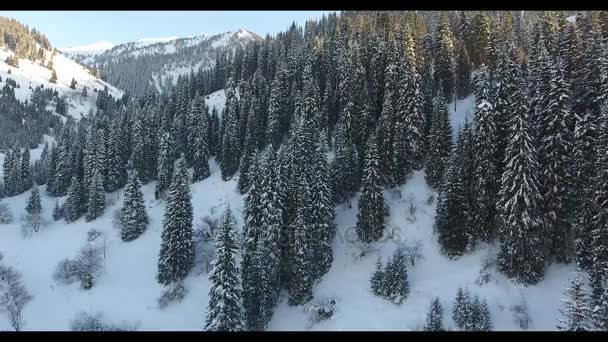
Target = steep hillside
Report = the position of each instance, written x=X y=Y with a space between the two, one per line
x=153 y=65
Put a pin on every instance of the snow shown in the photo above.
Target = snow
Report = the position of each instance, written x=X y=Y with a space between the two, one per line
x=571 y=18
x=33 y=74
x=91 y=49
x=128 y=291
x=217 y=100
x=463 y=111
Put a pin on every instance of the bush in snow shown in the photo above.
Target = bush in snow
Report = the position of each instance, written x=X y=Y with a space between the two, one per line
x=85 y=268
x=485 y=272
x=520 y=314
x=413 y=251
x=174 y=292
x=411 y=208
x=93 y=234
x=58 y=211
x=13 y=295
x=6 y=216
x=96 y=322
x=321 y=311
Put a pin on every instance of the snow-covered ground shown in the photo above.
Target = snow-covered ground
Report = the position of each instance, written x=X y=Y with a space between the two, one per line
x=128 y=291
x=30 y=74
x=217 y=100
x=463 y=111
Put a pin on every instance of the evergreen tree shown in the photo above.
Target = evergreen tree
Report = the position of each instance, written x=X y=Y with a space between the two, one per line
x=396 y=285
x=377 y=279
x=302 y=277
x=225 y=310
x=460 y=310
x=200 y=141
x=248 y=170
x=370 y=219
x=165 y=165
x=74 y=203
x=555 y=163
x=463 y=72
x=486 y=166
x=434 y=319
x=322 y=208
x=26 y=175
x=33 y=203
x=133 y=216
x=440 y=142
x=116 y=167
x=177 y=248
x=451 y=219
x=344 y=167
x=599 y=314
x=444 y=61
x=575 y=312
x=57 y=211
x=73 y=83
x=97 y=197
x=521 y=255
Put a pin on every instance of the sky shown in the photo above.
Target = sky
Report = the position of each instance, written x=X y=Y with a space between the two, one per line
x=76 y=28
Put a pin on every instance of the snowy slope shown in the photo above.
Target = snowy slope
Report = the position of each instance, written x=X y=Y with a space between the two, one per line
x=127 y=291
x=30 y=74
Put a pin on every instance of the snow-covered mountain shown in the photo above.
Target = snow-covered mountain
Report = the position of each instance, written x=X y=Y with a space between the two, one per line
x=31 y=74
x=88 y=50
x=154 y=64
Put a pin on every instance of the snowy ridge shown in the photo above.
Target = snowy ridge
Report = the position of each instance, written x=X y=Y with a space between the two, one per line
x=92 y=49
x=30 y=74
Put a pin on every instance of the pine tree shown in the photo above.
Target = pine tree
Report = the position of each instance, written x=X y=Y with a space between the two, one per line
x=322 y=208
x=486 y=166
x=395 y=278
x=200 y=141
x=440 y=142
x=522 y=255
x=459 y=308
x=575 y=312
x=444 y=60
x=599 y=314
x=57 y=211
x=377 y=279
x=26 y=175
x=33 y=203
x=165 y=164
x=451 y=219
x=74 y=203
x=370 y=219
x=248 y=170
x=301 y=280
x=555 y=163
x=434 y=319
x=97 y=197
x=225 y=309
x=344 y=168
x=73 y=83
x=177 y=249
x=463 y=72
x=116 y=167
x=133 y=216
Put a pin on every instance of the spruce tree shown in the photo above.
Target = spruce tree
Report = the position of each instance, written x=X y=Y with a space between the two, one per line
x=575 y=311
x=444 y=60
x=26 y=175
x=522 y=255
x=486 y=166
x=377 y=279
x=53 y=76
x=133 y=216
x=344 y=167
x=33 y=203
x=463 y=72
x=434 y=318
x=396 y=285
x=201 y=142
x=177 y=249
x=370 y=219
x=97 y=197
x=555 y=162
x=440 y=143
x=302 y=277
x=165 y=164
x=225 y=309
x=248 y=170
x=75 y=202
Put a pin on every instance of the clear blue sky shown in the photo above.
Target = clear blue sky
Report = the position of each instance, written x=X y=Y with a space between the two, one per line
x=75 y=28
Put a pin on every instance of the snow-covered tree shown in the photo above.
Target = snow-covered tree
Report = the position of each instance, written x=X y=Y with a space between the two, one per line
x=434 y=318
x=575 y=311
x=225 y=309
x=133 y=216
x=370 y=219
x=97 y=197
x=439 y=144
x=177 y=249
